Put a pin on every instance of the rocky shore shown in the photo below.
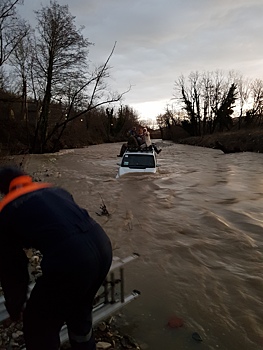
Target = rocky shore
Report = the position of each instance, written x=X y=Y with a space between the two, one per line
x=106 y=333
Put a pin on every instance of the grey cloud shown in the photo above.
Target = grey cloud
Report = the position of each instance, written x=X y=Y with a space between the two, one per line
x=158 y=40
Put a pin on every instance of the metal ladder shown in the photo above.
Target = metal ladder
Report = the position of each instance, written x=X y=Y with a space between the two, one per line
x=109 y=299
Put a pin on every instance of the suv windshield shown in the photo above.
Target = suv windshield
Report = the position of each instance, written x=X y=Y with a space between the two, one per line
x=138 y=161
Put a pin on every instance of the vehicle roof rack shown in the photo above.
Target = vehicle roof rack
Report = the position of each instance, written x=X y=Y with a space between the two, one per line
x=139 y=149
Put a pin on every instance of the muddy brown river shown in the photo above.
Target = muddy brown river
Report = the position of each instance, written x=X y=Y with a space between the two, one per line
x=198 y=227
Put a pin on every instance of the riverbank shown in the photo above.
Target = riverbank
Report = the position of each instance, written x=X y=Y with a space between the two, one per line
x=106 y=334
x=249 y=140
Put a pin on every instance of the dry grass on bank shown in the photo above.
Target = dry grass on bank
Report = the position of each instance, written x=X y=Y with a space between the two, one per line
x=249 y=140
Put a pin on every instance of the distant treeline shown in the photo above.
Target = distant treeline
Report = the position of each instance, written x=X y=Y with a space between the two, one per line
x=100 y=125
x=51 y=96
x=212 y=102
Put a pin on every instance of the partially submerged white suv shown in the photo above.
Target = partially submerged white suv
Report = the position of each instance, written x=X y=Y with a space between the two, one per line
x=137 y=161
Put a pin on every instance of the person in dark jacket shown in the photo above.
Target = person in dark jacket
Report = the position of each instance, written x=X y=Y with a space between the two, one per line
x=76 y=257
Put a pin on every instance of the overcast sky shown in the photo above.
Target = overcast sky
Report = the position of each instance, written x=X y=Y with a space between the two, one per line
x=159 y=40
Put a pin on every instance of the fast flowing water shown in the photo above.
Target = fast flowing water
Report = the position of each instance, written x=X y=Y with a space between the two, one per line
x=198 y=227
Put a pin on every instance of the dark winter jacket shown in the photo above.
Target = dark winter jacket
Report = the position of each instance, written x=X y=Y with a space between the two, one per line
x=45 y=218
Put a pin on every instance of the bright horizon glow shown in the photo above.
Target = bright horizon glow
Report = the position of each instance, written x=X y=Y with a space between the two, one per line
x=150 y=109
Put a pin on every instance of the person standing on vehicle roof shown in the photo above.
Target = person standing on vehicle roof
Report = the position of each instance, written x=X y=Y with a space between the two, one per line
x=148 y=142
x=77 y=256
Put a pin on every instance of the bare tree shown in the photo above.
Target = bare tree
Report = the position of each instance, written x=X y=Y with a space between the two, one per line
x=255 y=113
x=125 y=118
x=244 y=89
x=21 y=60
x=63 y=76
x=207 y=110
x=61 y=52
x=196 y=87
x=97 y=94
x=190 y=98
x=207 y=99
x=12 y=29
